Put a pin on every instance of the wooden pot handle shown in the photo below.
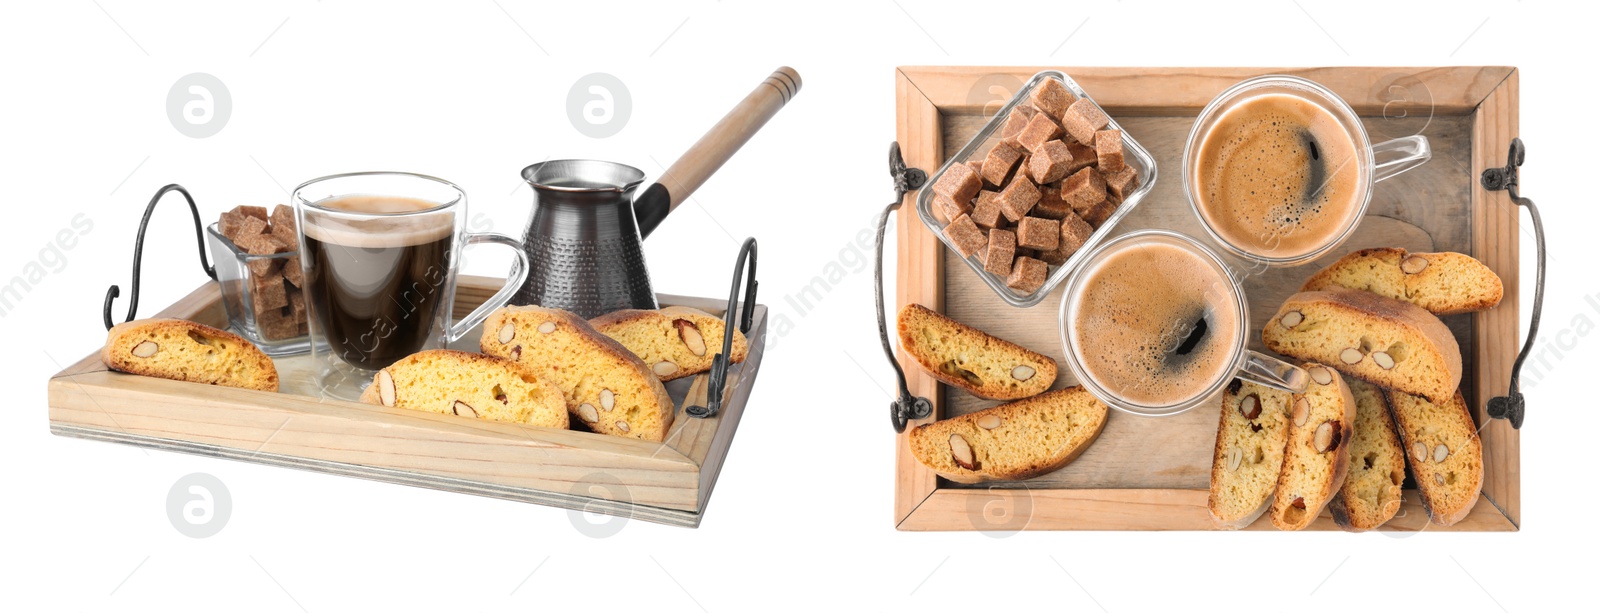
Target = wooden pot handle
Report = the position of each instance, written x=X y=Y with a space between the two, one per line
x=712 y=150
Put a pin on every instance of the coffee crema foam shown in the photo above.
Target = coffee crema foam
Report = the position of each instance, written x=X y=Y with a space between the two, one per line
x=1136 y=319
x=370 y=225
x=1277 y=176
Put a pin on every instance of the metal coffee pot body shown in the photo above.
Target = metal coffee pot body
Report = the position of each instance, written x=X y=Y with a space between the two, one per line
x=583 y=239
x=584 y=233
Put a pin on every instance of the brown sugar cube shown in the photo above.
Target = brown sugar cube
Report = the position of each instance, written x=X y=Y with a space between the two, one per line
x=1027 y=275
x=1038 y=233
x=986 y=213
x=1083 y=156
x=1053 y=98
x=282 y=226
x=1049 y=163
x=1002 y=159
x=1084 y=189
x=1108 y=150
x=1074 y=233
x=286 y=322
x=231 y=223
x=1018 y=198
x=1122 y=182
x=237 y=226
x=1002 y=249
x=948 y=209
x=976 y=166
x=258 y=212
x=286 y=235
x=1040 y=130
x=277 y=324
x=292 y=272
x=959 y=183
x=966 y=236
x=1083 y=119
x=262 y=244
x=297 y=304
x=267 y=292
x=1098 y=214
x=1050 y=205
x=1014 y=124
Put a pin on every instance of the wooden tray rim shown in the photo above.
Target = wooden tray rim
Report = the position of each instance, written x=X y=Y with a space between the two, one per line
x=1489 y=94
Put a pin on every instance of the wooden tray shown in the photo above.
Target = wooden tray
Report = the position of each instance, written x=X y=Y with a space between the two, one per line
x=667 y=483
x=1152 y=473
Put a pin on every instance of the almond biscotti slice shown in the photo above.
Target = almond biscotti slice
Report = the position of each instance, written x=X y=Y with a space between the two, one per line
x=967 y=358
x=606 y=387
x=1445 y=451
x=1383 y=341
x=1443 y=283
x=1016 y=440
x=1249 y=453
x=183 y=350
x=1371 y=494
x=675 y=341
x=470 y=385
x=1317 y=455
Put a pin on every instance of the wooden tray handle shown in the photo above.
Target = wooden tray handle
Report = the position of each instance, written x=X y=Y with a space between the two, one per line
x=712 y=150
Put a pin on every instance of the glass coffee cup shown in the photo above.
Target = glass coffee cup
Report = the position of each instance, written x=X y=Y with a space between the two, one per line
x=1153 y=324
x=1280 y=170
x=378 y=255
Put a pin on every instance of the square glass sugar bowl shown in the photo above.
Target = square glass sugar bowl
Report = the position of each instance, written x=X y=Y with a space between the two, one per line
x=1056 y=201
x=263 y=305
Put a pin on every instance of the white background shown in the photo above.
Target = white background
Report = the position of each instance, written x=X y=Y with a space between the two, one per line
x=802 y=514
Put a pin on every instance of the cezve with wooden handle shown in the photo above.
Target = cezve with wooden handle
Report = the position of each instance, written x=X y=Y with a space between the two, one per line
x=712 y=150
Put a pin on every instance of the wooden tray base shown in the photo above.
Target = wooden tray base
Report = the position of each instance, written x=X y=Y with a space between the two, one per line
x=667 y=483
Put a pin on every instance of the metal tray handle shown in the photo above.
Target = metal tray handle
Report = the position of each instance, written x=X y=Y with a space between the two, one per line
x=138 y=252
x=720 y=363
x=906 y=407
x=1511 y=406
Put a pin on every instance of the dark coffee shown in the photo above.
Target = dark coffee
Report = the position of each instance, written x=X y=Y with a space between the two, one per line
x=1155 y=324
x=1277 y=176
x=375 y=279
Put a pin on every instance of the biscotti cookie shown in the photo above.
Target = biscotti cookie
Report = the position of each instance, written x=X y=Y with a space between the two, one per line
x=1249 y=453
x=1383 y=341
x=187 y=351
x=1445 y=451
x=1443 y=283
x=1016 y=440
x=1315 y=459
x=469 y=385
x=1371 y=494
x=971 y=360
x=675 y=341
x=606 y=387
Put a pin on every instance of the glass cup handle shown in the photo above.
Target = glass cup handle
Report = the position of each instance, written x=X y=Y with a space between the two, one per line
x=519 y=273
x=1414 y=151
x=1273 y=372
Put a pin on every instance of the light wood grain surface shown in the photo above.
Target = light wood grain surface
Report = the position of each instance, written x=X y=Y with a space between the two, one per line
x=1450 y=90
x=1496 y=236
